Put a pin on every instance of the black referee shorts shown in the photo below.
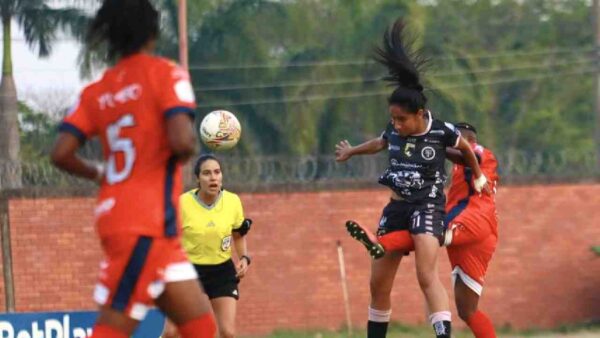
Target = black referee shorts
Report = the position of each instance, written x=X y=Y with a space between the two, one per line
x=219 y=280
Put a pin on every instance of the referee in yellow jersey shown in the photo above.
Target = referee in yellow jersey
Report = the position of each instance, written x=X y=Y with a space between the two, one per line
x=213 y=220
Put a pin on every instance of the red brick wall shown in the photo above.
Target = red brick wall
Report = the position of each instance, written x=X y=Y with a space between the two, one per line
x=543 y=275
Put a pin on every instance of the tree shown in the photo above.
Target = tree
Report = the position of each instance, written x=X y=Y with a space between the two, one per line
x=40 y=24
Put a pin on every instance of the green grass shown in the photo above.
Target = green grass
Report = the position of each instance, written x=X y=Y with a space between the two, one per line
x=596 y=249
x=402 y=331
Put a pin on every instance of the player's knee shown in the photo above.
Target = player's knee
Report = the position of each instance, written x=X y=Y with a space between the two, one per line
x=465 y=312
x=227 y=332
x=426 y=279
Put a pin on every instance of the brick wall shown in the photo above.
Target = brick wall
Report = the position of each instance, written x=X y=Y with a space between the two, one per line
x=543 y=275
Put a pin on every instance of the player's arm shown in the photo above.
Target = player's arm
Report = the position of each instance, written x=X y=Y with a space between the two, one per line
x=239 y=242
x=455 y=156
x=480 y=181
x=64 y=157
x=343 y=150
x=181 y=135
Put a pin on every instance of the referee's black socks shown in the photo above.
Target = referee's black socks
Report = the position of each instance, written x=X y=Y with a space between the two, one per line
x=378 y=323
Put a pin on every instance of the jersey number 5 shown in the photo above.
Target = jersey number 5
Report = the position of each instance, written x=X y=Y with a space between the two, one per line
x=116 y=145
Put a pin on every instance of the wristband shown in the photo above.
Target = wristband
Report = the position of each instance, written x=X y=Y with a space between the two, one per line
x=247 y=259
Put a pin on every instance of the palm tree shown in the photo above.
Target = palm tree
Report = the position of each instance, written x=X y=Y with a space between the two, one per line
x=40 y=22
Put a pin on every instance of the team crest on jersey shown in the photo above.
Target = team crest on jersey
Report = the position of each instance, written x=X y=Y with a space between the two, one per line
x=408 y=149
x=226 y=243
x=428 y=153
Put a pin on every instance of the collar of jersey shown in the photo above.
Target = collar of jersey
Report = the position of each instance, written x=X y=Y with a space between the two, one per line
x=428 y=125
x=204 y=205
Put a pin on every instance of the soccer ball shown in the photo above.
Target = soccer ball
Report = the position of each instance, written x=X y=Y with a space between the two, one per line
x=220 y=129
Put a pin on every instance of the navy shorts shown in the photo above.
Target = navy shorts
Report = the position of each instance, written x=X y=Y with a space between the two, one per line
x=417 y=218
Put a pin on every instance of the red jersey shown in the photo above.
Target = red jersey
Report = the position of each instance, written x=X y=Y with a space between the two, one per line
x=463 y=201
x=127 y=109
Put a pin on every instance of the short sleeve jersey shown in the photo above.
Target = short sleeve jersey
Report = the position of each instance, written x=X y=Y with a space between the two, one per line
x=462 y=198
x=127 y=109
x=207 y=228
x=416 y=163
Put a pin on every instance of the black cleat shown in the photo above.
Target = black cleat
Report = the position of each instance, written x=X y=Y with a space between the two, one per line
x=367 y=238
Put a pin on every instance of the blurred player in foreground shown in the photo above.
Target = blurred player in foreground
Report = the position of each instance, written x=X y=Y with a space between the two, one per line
x=142 y=111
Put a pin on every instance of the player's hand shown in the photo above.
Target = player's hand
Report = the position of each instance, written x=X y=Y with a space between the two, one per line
x=481 y=185
x=342 y=151
x=242 y=268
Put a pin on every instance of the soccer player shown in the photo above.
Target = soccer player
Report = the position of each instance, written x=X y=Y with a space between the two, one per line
x=142 y=111
x=471 y=236
x=416 y=143
x=213 y=221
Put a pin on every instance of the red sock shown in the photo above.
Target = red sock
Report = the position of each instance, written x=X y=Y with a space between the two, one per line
x=201 y=327
x=481 y=325
x=105 y=331
x=397 y=240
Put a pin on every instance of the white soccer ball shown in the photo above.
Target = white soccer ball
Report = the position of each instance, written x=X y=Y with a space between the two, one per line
x=220 y=129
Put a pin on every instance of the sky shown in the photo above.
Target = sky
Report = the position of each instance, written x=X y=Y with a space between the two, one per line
x=57 y=74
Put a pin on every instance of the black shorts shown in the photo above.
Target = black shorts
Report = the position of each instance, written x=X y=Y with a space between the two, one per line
x=416 y=218
x=219 y=280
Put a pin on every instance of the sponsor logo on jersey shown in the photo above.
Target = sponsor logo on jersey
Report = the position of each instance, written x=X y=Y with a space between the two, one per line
x=428 y=153
x=408 y=149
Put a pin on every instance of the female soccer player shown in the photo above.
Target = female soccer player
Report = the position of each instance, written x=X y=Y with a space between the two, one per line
x=142 y=111
x=471 y=237
x=213 y=220
x=416 y=145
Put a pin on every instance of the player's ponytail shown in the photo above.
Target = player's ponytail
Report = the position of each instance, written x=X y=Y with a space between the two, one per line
x=404 y=67
x=124 y=26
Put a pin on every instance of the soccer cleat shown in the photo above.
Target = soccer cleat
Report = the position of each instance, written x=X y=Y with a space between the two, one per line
x=368 y=239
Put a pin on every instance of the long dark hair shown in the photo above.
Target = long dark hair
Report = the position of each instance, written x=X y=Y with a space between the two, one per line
x=404 y=68
x=202 y=159
x=125 y=26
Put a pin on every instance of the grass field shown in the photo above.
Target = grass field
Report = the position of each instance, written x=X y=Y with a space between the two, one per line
x=399 y=331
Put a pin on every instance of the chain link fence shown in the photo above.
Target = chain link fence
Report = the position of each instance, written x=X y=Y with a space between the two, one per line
x=265 y=173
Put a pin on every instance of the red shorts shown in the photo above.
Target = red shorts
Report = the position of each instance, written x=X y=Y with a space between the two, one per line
x=470 y=262
x=136 y=269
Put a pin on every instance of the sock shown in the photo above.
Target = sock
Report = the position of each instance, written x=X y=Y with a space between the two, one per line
x=378 y=323
x=397 y=240
x=442 y=324
x=201 y=327
x=481 y=325
x=105 y=331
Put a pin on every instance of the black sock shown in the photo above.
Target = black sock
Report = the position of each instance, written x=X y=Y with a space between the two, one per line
x=443 y=329
x=377 y=329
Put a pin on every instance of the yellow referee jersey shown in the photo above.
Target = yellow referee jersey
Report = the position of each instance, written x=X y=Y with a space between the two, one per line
x=207 y=229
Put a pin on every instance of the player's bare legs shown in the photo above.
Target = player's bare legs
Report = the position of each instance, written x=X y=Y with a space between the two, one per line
x=383 y=271
x=225 y=308
x=188 y=307
x=467 y=305
x=113 y=324
x=426 y=260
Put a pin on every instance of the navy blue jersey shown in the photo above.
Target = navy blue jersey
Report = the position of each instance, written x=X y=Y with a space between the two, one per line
x=416 y=163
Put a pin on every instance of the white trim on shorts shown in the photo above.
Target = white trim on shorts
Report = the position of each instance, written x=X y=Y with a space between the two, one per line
x=469 y=282
x=178 y=272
